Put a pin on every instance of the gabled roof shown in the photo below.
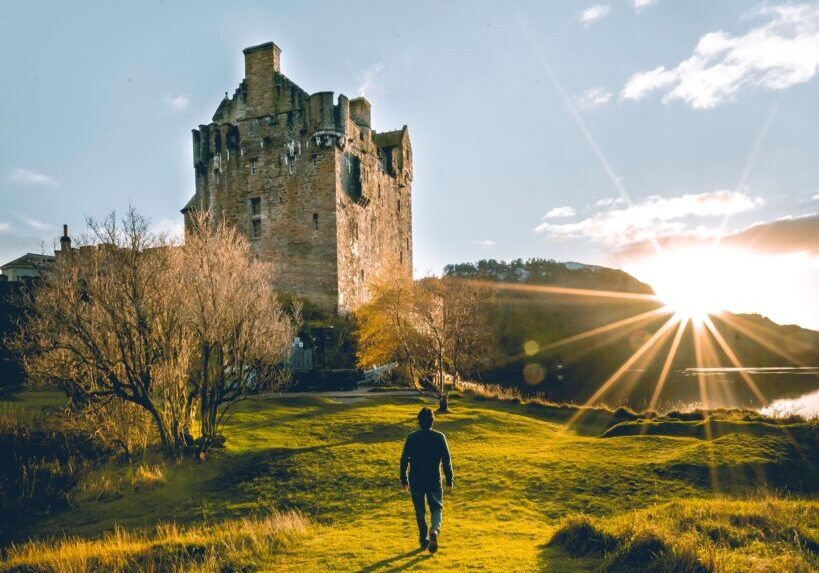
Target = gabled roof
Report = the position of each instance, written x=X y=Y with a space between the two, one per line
x=29 y=260
x=192 y=204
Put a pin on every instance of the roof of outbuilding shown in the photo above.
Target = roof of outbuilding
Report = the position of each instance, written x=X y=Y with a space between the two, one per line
x=29 y=260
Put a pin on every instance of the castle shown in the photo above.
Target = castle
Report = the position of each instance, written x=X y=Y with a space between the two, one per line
x=319 y=193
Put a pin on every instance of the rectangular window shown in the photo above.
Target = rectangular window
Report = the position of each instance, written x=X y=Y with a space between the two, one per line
x=315 y=221
x=254 y=166
x=314 y=158
x=255 y=217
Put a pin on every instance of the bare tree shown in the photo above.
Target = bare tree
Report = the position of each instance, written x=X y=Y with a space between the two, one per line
x=182 y=332
x=241 y=333
x=103 y=325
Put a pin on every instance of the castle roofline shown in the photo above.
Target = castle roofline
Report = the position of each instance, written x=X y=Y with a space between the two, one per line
x=390 y=138
x=260 y=48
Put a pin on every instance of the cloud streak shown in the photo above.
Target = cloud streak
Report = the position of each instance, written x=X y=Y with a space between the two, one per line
x=592 y=99
x=177 y=103
x=370 y=84
x=784 y=236
x=640 y=4
x=559 y=212
x=35 y=224
x=594 y=14
x=653 y=217
x=22 y=176
x=781 y=53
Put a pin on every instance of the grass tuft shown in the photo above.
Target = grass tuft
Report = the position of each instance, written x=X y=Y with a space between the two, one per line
x=579 y=535
x=148 y=476
x=700 y=536
x=222 y=547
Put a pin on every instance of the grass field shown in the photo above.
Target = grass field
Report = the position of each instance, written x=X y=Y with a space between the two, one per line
x=529 y=496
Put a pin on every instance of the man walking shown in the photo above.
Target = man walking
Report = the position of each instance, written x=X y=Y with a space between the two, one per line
x=424 y=452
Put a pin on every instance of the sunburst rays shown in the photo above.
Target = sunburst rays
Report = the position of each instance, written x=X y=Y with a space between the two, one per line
x=665 y=324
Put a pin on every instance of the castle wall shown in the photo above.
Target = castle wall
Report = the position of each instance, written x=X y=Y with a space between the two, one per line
x=316 y=191
x=374 y=232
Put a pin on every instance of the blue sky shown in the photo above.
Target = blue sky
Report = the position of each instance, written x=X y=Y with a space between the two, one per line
x=588 y=131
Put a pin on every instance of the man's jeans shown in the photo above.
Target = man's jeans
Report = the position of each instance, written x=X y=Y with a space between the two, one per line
x=434 y=497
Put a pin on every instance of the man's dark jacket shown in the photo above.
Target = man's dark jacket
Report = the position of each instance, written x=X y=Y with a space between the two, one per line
x=424 y=451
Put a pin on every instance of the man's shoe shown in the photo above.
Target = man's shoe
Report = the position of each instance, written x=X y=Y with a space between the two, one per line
x=433 y=542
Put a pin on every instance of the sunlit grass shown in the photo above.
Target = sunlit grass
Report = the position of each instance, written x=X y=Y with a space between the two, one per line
x=518 y=474
x=168 y=547
x=700 y=536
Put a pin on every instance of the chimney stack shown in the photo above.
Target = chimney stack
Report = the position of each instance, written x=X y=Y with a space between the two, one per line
x=65 y=241
x=262 y=63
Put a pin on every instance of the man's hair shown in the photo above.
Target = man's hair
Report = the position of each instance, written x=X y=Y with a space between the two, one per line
x=425 y=418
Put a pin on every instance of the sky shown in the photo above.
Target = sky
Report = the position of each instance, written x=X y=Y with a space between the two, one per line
x=673 y=139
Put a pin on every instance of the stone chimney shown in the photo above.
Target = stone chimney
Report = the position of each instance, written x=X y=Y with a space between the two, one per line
x=65 y=245
x=360 y=111
x=262 y=63
x=65 y=240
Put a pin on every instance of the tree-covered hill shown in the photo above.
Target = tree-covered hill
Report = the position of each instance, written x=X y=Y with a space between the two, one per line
x=540 y=347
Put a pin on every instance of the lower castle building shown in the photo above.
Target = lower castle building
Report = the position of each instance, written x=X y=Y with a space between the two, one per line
x=319 y=193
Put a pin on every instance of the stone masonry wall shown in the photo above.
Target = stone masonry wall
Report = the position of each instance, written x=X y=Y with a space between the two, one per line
x=316 y=191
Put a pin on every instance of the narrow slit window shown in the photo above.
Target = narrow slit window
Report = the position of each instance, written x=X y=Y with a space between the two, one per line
x=255 y=217
x=399 y=205
x=254 y=166
x=315 y=221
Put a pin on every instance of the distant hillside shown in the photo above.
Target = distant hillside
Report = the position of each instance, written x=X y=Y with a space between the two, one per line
x=529 y=326
x=549 y=272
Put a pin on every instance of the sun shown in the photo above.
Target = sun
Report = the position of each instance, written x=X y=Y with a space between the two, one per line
x=696 y=282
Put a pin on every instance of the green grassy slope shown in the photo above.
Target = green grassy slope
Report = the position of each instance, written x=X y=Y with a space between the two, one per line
x=518 y=474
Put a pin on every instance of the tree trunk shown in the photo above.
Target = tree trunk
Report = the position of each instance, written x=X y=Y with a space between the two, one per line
x=443 y=402
x=443 y=397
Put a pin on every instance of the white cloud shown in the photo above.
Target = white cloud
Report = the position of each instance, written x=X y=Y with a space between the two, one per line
x=35 y=224
x=594 y=13
x=4 y=227
x=592 y=98
x=174 y=229
x=486 y=244
x=177 y=103
x=640 y=4
x=815 y=197
x=655 y=216
x=609 y=202
x=21 y=176
x=560 y=212
x=776 y=55
x=369 y=84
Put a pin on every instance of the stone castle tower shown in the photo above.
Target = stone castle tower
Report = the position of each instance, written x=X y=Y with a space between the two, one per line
x=319 y=193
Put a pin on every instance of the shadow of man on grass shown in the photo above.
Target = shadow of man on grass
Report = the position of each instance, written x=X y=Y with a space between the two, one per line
x=391 y=565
